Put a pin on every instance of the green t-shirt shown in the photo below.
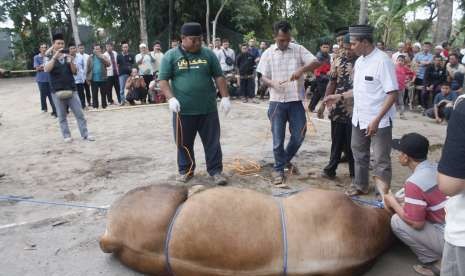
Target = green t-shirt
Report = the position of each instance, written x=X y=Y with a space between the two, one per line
x=194 y=87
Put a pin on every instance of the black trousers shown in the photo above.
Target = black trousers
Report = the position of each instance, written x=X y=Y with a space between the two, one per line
x=96 y=86
x=82 y=97
x=247 y=87
x=112 y=81
x=341 y=134
x=147 y=80
x=207 y=126
x=319 y=92
x=88 y=95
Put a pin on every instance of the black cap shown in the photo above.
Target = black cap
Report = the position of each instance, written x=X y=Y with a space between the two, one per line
x=342 y=31
x=58 y=36
x=414 y=145
x=191 y=29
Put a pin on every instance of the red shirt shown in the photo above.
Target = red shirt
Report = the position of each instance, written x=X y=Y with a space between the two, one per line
x=404 y=75
x=423 y=199
x=322 y=69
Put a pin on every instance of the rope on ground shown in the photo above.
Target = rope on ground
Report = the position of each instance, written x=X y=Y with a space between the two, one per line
x=44 y=202
x=372 y=203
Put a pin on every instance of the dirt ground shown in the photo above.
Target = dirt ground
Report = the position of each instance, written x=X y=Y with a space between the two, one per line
x=134 y=147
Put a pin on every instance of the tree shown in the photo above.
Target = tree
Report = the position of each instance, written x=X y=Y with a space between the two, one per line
x=363 y=13
x=444 y=22
x=74 y=23
x=223 y=3
x=207 y=21
x=143 y=22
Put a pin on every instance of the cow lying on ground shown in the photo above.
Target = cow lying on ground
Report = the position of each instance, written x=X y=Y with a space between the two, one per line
x=231 y=231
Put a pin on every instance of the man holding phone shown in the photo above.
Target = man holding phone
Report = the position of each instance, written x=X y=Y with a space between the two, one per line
x=61 y=68
x=374 y=92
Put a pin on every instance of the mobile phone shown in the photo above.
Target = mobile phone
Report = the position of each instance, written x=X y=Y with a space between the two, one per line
x=64 y=51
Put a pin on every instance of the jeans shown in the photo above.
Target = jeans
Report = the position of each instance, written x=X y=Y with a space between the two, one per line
x=74 y=103
x=279 y=115
x=122 y=84
x=96 y=86
x=185 y=128
x=45 y=92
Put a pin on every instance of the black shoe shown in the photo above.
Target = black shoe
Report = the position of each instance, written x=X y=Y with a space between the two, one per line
x=327 y=175
x=53 y=114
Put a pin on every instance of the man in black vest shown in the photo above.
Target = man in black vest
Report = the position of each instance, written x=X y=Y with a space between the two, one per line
x=61 y=68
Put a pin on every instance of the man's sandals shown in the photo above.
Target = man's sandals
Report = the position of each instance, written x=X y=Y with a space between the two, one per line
x=428 y=269
x=354 y=191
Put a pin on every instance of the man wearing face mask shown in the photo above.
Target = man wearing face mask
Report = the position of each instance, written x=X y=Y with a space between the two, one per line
x=282 y=67
x=188 y=74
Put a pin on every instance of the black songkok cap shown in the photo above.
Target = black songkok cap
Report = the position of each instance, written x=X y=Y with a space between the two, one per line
x=191 y=29
x=361 y=31
x=58 y=36
x=341 y=31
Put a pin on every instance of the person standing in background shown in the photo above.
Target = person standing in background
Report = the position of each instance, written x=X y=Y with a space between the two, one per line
x=145 y=63
x=157 y=55
x=97 y=75
x=125 y=62
x=80 y=76
x=42 y=79
x=81 y=51
x=112 y=74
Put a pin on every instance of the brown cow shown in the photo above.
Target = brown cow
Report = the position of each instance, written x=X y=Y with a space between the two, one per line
x=231 y=231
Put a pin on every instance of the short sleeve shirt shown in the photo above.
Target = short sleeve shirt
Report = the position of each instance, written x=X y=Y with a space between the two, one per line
x=422 y=57
x=453 y=164
x=146 y=67
x=279 y=65
x=452 y=96
x=192 y=83
x=374 y=78
x=423 y=199
x=41 y=76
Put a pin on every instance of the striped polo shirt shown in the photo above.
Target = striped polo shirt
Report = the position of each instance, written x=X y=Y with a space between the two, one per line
x=423 y=199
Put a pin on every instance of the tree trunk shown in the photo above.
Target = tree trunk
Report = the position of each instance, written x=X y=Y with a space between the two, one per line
x=363 y=12
x=143 y=23
x=74 y=23
x=216 y=18
x=207 y=22
x=170 y=23
x=444 y=21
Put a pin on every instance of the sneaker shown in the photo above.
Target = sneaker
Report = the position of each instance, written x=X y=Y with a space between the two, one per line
x=253 y=100
x=68 y=140
x=219 y=179
x=291 y=169
x=184 y=178
x=244 y=100
x=89 y=138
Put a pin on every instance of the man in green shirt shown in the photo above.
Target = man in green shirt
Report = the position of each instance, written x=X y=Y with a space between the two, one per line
x=192 y=70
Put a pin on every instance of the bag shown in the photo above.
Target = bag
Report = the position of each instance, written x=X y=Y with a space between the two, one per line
x=229 y=61
x=64 y=94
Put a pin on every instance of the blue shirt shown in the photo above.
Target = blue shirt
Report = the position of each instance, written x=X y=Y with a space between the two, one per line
x=254 y=52
x=41 y=76
x=421 y=57
x=452 y=96
x=97 y=68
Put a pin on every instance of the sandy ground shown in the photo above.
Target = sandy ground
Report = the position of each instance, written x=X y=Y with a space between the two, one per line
x=134 y=147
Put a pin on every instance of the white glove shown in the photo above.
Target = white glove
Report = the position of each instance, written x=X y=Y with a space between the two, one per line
x=175 y=106
x=225 y=105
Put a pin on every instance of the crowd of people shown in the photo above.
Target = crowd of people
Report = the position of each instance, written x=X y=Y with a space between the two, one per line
x=358 y=81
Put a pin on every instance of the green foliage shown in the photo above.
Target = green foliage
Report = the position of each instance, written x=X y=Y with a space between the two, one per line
x=12 y=65
x=248 y=36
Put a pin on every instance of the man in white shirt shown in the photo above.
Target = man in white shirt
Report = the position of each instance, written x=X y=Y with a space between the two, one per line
x=80 y=76
x=282 y=67
x=374 y=92
x=81 y=51
x=112 y=74
x=451 y=179
x=217 y=49
x=157 y=55
x=145 y=62
x=400 y=51
x=227 y=57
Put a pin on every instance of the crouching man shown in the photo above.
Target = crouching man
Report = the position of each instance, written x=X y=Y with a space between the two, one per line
x=64 y=93
x=420 y=222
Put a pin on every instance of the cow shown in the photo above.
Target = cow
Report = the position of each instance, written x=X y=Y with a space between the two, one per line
x=159 y=230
